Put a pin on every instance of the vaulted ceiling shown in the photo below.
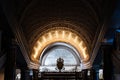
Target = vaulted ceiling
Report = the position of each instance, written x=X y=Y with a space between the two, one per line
x=28 y=19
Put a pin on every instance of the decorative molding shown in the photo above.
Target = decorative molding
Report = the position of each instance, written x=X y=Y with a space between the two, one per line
x=33 y=65
x=60 y=35
x=21 y=44
x=87 y=65
x=57 y=45
x=98 y=43
x=78 y=29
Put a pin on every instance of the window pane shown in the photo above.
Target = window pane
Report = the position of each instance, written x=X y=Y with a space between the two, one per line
x=66 y=55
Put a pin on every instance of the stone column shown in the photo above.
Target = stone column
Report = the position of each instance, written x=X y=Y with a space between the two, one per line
x=0 y=40
x=35 y=69
x=116 y=56
x=91 y=74
x=35 y=74
x=88 y=74
x=97 y=75
x=117 y=40
x=84 y=74
x=10 y=61
x=107 y=67
x=25 y=74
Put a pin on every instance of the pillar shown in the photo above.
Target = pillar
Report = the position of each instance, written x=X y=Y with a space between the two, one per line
x=91 y=74
x=0 y=40
x=97 y=75
x=84 y=74
x=35 y=74
x=116 y=55
x=117 y=40
x=107 y=69
x=25 y=74
x=35 y=70
x=10 y=61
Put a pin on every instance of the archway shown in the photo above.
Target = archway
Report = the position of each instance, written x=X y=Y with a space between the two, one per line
x=58 y=50
x=63 y=35
x=60 y=41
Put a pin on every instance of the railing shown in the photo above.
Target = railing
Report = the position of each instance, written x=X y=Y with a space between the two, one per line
x=61 y=75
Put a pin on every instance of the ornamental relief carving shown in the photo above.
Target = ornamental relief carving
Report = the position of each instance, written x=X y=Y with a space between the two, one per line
x=59 y=25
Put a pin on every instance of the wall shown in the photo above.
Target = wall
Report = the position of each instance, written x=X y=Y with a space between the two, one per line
x=1 y=75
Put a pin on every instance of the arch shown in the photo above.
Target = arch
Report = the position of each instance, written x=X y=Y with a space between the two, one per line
x=64 y=47
x=60 y=34
x=62 y=50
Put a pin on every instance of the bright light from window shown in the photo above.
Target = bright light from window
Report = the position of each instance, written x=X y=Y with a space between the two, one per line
x=65 y=54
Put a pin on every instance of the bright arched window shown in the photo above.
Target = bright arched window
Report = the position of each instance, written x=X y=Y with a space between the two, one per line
x=60 y=50
x=66 y=55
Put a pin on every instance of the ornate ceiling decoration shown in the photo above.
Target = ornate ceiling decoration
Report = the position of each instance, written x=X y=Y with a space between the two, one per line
x=59 y=34
x=41 y=13
x=30 y=18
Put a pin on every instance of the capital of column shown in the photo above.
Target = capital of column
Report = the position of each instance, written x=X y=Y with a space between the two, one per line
x=87 y=65
x=33 y=65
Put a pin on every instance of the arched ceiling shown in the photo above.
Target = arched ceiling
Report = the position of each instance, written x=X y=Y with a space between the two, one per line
x=41 y=13
x=87 y=17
